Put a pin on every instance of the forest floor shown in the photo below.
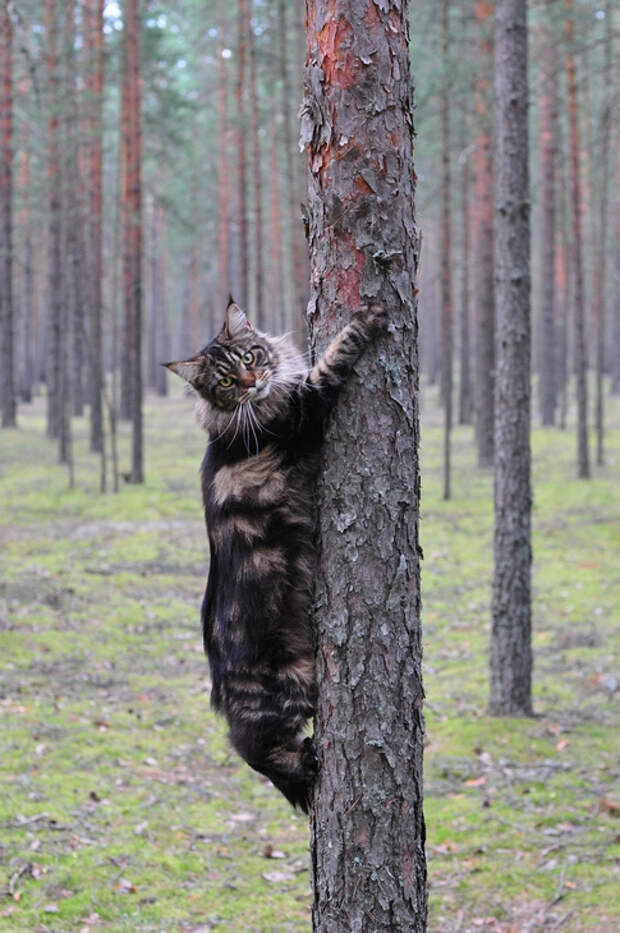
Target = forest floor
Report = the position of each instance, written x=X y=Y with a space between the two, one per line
x=121 y=805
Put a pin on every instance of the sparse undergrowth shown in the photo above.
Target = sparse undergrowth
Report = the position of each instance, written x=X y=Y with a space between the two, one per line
x=122 y=807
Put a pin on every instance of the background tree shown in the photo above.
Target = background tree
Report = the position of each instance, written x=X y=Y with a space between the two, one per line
x=7 y=354
x=446 y=249
x=511 y=651
x=367 y=822
x=484 y=286
x=583 y=449
x=132 y=227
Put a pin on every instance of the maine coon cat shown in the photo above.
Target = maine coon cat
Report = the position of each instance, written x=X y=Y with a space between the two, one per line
x=265 y=413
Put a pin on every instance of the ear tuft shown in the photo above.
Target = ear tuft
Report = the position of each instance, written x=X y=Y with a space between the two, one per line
x=236 y=321
x=186 y=369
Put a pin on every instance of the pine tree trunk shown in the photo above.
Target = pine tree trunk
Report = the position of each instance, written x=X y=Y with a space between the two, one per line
x=446 y=252
x=293 y=228
x=511 y=652
x=484 y=285
x=7 y=314
x=615 y=336
x=224 y=181
x=241 y=291
x=27 y=374
x=367 y=824
x=257 y=187
x=583 y=451
x=600 y=274
x=55 y=271
x=548 y=382
x=93 y=27
x=465 y=386
x=125 y=163
x=133 y=238
x=276 y=289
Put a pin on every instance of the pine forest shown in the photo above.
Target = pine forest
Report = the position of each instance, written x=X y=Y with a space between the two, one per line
x=425 y=197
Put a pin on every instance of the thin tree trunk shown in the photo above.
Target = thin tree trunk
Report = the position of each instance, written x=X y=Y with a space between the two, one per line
x=54 y=297
x=133 y=238
x=27 y=374
x=583 y=451
x=548 y=383
x=7 y=313
x=484 y=284
x=615 y=359
x=93 y=26
x=241 y=154
x=257 y=186
x=446 y=251
x=367 y=824
x=600 y=275
x=224 y=182
x=125 y=162
x=293 y=227
x=276 y=290
x=465 y=386
x=511 y=651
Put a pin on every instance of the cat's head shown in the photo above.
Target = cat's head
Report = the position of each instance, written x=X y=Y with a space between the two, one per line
x=240 y=368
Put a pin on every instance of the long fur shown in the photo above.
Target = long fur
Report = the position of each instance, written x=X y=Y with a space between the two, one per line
x=258 y=477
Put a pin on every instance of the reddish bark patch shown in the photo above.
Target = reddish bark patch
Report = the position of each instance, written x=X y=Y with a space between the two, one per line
x=338 y=65
x=362 y=185
x=348 y=280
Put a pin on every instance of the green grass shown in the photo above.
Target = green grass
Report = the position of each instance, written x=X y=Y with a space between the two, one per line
x=122 y=807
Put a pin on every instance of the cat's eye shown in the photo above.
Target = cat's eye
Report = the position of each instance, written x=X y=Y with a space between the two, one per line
x=226 y=382
x=248 y=357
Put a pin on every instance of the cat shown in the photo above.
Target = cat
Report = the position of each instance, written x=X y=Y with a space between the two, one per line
x=265 y=413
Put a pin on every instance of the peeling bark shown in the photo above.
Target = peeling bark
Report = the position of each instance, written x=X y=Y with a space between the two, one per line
x=367 y=825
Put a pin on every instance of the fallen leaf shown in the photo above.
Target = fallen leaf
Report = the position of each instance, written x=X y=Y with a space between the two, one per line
x=561 y=745
x=124 y=886
x=476 y=782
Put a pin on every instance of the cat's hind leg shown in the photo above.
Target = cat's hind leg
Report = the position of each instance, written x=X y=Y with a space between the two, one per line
x=291 y=765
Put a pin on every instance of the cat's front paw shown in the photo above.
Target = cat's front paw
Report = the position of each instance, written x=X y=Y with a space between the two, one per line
x=375 y=319
x=309 y=760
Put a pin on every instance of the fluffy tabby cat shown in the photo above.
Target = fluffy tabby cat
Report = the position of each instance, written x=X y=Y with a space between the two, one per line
x=265 y=413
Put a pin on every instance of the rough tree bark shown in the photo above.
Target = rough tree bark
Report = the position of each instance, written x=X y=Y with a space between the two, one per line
x=367 y=824
x=483 y=241
x=548 y=382
x=446 y=251
x=7 y=355
x=583 y=450
x=511 y=652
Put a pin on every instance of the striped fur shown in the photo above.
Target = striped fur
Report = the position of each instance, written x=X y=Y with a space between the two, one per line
x=265 y=413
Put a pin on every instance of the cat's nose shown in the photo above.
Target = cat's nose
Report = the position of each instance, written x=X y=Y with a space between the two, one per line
x=247 y=379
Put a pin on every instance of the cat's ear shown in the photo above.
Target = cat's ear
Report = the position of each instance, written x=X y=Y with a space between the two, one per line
x=187 y=369
x=236 y=322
